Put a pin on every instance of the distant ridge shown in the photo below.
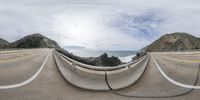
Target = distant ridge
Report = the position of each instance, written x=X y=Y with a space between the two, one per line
x=174 y=42
x=31 y=41
x=3 y=43
x=34 y=41
x=170 y=42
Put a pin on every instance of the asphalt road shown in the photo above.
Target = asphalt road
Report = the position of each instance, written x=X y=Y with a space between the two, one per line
x=49 y=84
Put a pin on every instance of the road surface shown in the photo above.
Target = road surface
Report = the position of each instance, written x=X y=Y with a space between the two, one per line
x=49 y=84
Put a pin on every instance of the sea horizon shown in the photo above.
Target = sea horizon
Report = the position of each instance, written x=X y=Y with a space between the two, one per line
x=123 y=55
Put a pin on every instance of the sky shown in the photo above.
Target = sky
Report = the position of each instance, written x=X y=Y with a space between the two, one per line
x=99 y=24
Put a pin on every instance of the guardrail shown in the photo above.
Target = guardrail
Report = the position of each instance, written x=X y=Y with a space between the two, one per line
x=86 y=77
x=100 y=68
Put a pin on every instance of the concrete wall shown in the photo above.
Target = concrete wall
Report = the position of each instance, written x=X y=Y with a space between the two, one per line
x=94 y=79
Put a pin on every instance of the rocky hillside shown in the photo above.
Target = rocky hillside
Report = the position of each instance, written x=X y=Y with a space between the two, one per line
x=174 y=42
x=102 y=60
x=34 y=41
x=3 y=43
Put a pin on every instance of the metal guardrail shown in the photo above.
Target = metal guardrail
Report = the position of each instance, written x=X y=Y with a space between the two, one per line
x=100 y=68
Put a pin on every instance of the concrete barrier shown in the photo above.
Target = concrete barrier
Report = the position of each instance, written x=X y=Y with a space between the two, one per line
x=95 y=79
x=81 y=77
x=123 y=78
x=99 y=68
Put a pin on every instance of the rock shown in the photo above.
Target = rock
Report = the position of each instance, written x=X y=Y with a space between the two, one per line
x=174 y=42
x=35 y=41
x=102 y=60
x=3 y=43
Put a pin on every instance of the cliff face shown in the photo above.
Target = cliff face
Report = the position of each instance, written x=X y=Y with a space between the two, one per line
x=3 y=43
x=174 y=42
x=35 y=41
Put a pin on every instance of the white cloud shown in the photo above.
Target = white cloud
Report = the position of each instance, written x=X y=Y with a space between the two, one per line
x=87 y=22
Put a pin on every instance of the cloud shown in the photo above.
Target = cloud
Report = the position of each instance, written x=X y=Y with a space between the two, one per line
x=144 y=25
x=99 y=24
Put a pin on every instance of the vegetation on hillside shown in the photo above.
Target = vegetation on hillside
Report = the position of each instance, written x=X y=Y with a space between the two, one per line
x=34 y=41
x=169 y=42
x=102 y=60
x=174 y=42
x=3 y=44
x=139 y=55
x=31 y=41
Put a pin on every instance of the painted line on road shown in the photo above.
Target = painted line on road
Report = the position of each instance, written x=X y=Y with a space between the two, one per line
x=28 y=80
x=173 y=81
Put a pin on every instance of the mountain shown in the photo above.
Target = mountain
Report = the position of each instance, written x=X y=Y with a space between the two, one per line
x=3 y=43
x=174 y=42
x=35 y=41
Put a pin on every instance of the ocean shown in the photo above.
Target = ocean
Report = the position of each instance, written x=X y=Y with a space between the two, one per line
x=124 y=56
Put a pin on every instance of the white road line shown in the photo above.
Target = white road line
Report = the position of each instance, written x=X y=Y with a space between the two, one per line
x=28 y=80
x=173 y=81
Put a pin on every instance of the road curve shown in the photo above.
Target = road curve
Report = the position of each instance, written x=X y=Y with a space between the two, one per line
x=23 y=68
x=174 y=81
x=51 y=85
x=153 y=85
x=28 y=80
